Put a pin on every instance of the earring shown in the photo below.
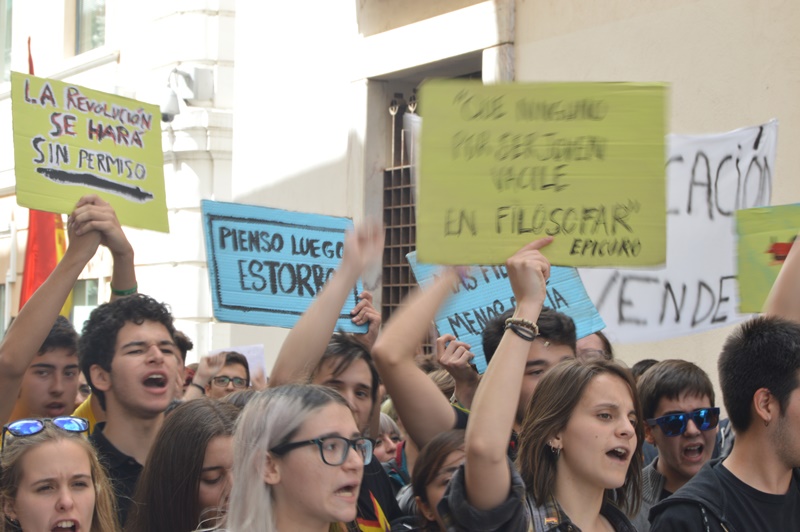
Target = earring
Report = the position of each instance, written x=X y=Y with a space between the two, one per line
x=766 y=422
x=555 y=450
x=547 y=343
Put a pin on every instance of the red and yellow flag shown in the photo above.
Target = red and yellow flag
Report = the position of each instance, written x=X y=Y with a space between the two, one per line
x=45 y=245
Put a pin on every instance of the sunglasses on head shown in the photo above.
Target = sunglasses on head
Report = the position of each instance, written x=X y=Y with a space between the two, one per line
x=675 y=424
x=29 y=427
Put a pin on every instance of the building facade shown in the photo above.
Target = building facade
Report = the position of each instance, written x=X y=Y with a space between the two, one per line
x=310 y=119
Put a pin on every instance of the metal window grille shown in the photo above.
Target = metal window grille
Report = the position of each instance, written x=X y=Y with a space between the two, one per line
x=398 y=211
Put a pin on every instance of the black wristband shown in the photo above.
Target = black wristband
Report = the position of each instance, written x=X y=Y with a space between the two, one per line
x=522 y=332
x=198 y=387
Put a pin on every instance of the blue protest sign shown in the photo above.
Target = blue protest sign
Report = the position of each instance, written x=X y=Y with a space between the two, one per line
x=485 y=292
x=266 y=265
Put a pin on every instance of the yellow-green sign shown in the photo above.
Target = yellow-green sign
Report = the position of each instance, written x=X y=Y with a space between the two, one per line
x=502 y=165
x=70 y=141
x=766 y=234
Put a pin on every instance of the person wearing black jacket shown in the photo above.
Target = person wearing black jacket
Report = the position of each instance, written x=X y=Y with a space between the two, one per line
x=702 y=504
x=757 y=487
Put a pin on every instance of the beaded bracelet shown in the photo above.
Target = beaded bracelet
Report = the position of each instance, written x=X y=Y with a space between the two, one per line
x=525 y=329
x=123 y=293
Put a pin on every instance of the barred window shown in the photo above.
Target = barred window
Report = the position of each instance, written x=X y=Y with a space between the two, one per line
x=398 y=210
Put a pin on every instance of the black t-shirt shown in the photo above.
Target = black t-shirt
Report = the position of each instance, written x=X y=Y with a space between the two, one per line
x=750 y=509
x=122 y=470
x=377 y=506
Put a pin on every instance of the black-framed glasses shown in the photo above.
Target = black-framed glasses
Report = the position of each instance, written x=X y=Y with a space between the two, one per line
x=223 y=380
x=675 y=424
x=332 y=449
x=29 y=427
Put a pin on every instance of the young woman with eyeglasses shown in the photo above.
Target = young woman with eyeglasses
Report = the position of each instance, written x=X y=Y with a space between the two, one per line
x=298 y=462
x=187 y=479
x=51 y=479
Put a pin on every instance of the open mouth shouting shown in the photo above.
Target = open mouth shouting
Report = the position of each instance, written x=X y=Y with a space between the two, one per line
x=156 y=382
x=66 y=525
x=693 y=452
x=620 y=454
x=56 y=409
x=348 y=490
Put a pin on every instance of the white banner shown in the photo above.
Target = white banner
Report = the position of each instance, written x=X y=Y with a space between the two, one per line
x=709 y=177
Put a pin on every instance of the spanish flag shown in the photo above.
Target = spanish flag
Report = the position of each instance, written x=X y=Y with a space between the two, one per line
x=45 y=246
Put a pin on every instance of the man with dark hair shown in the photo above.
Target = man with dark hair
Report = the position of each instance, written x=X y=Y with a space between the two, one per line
x=680 y=419
x=556 y=342
x=640 y=367
x=757 y=487
x=337 y=369
x=423 y=409
x=556 y=327
x=184 y=344
x=234 y=375
x=38 y=355
x=51 y=382
x=131 y=362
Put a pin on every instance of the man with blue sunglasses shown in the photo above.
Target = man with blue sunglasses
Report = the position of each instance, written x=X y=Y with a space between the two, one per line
x=677 y=400
x=757 y=486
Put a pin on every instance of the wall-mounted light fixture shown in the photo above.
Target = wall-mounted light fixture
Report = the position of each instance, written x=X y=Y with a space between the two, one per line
x=196 y=85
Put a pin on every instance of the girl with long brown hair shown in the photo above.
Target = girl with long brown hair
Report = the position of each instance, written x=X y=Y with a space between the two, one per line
x=580 y=438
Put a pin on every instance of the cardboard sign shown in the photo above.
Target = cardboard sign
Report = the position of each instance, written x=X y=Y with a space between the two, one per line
x=485 y=293
x=70 y=141
x=710 y=177
x=502 y=165
x=765 y=237
x=266 y=266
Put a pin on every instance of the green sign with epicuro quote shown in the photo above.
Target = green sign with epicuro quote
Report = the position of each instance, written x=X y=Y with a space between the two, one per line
x=70 y=141
x=502 y=165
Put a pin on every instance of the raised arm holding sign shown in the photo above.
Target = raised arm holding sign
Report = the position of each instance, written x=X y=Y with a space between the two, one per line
x=419 y=402
x=92 y=223
x=305 y=344
x=70 y=141
x=484 y=293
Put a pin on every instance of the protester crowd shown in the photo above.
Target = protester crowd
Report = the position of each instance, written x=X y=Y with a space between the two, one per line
x=359 y=432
